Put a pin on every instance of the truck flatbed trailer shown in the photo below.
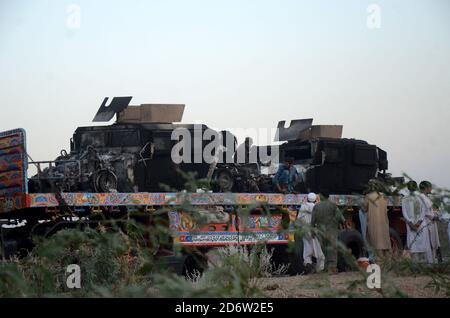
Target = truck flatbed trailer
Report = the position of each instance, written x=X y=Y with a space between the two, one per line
x=47 y=200
x=233 y=218
x=258 y=227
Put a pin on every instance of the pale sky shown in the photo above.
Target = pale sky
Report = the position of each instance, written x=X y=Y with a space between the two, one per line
x=235 y=64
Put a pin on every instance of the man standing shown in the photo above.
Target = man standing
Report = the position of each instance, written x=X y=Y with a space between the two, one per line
x=417 y=235
x=375 y=205
x=430 y=221
x=286 y=177
x=363 y=222
x=326 y=217
x=448 y=231
x=311 y=245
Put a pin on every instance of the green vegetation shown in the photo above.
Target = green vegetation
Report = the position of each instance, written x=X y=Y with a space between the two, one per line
x=118 y=259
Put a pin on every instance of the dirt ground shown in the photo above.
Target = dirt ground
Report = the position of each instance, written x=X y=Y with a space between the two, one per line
x=340 y=285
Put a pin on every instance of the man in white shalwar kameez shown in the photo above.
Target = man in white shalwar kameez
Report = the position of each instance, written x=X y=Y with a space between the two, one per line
x=430 y=220
x=417 y=234
x=448 y=231
x=444 y=216
x=311 y=245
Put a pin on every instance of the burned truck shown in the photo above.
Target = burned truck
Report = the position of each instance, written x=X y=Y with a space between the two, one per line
x=131 y=155
x=134 y=155
x=324 y=160
x=328 y=162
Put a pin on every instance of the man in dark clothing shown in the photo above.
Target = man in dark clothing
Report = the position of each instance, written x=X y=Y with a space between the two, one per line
x=286 y=177
x=327 y=218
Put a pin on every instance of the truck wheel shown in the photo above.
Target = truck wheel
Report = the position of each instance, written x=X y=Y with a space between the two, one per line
x=105 y=181
x=225 y=181
x=291 y=256
x=194 y=264
x=396 y=242
x=295 y=256
x=9 y=249
x=354 y=243
x=280 y=257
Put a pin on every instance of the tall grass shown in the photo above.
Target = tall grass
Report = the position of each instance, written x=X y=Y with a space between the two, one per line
x=118 y=259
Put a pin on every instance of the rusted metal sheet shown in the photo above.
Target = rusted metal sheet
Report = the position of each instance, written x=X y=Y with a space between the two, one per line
x=293 y=131
x=106 y=113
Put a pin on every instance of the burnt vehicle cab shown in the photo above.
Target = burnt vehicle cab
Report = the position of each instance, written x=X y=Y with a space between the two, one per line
x=328 y=162
x=132 y=155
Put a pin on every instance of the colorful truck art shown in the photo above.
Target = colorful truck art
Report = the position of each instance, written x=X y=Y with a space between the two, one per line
x=239 y=230
x=37 y=200
x=166 y=199
x=13 y=170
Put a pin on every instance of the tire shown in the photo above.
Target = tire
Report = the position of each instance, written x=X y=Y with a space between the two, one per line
x=105 y=181
x=9 y=249
x=296 y=257
x=175 y=264
x=353 y=240
x=194 y=264
x=291 y=256
x=396 y=242
x=225 y=181
x=281 y=257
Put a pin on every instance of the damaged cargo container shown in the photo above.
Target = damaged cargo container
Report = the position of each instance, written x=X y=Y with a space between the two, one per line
x=328 y=162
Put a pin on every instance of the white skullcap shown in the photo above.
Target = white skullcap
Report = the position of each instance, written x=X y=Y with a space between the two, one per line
x=312 y=197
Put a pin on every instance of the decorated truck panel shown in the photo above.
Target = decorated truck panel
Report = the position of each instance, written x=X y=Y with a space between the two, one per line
x=13 y=170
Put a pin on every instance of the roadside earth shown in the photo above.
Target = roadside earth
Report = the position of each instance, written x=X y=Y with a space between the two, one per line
x=348 y=284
